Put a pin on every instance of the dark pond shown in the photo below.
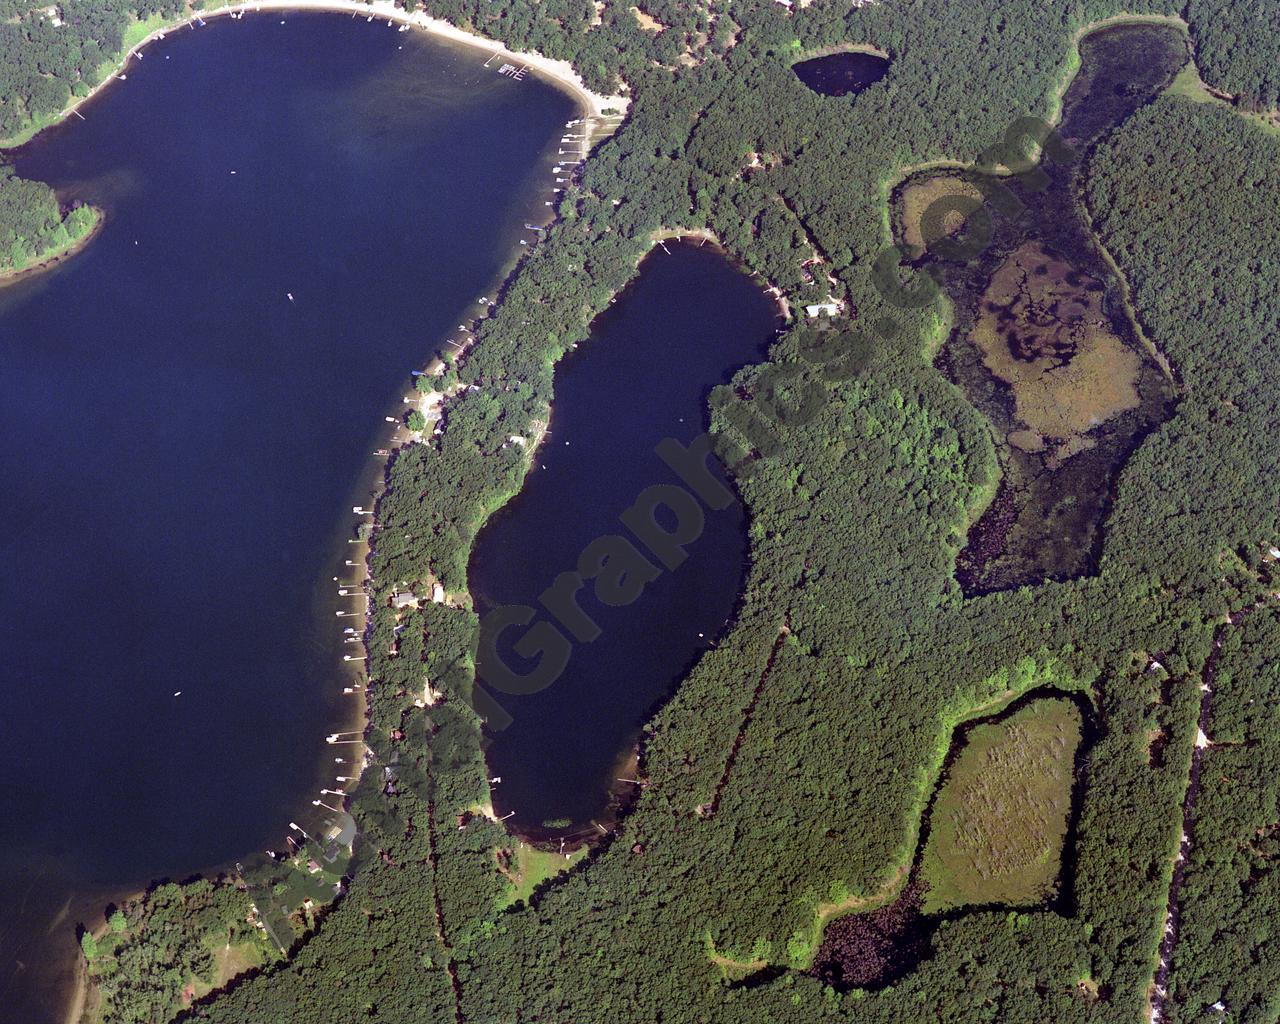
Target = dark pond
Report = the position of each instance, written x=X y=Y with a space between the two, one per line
x=688 y=321
x=839 y=74
x=1042 y=344
x=181 y=444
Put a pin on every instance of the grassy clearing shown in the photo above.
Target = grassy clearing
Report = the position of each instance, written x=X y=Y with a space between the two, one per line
x=134 y=33
x=525 y=868
x=139 y=30
x=228 y=961
x=1189 y=85
x=1000 y=819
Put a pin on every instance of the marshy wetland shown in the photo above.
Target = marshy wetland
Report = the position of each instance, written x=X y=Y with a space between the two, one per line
x=1041 y=342
x=999 y=831
x=1000 y=820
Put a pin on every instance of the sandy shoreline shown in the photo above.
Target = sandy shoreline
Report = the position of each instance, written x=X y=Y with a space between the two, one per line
x=558 y=72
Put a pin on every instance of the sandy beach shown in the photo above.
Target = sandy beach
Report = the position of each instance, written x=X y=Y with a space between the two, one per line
x=559 y=72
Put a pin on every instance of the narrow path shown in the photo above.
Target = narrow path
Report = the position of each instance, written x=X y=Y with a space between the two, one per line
x=708 y=810
x=451 y=965
x=1173 y=912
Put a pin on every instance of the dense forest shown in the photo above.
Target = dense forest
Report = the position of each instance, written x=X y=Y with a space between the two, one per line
x=786 y=780
x=1238 y=47
x=1187 y=196
x=170 y=946
x=32 y=224
x=48 y=60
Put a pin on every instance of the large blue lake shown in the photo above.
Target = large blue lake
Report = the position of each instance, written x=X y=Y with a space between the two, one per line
x=180 y=443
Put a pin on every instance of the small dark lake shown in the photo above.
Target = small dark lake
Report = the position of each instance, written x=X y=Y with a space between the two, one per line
x=1042 y=344
x=687 y=323
x=181 y=444
x=838 y=74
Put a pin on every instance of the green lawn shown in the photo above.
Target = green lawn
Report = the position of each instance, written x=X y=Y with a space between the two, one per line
x=531 y=867
x=134 y=33
x=1189 y=85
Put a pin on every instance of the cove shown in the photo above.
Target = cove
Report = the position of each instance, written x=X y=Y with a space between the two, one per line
x=688 y=321
x=1041 y=342
x=181 y=443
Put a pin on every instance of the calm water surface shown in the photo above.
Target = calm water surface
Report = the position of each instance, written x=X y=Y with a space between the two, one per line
x=838 y=74
x=179 y=441
x=687 y=323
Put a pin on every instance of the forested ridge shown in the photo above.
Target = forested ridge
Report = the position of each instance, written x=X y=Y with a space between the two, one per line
x=1187 y=196
x=858 y=510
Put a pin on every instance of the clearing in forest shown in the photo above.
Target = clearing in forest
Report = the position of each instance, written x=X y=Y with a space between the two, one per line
x=1000 y=819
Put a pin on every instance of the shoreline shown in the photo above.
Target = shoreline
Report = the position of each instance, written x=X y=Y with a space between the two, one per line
x=621 y=797
x=78 y=992
x=703 y=236
x=591 y=107
x=559 y=72
x=599 y=126
x=47 y=262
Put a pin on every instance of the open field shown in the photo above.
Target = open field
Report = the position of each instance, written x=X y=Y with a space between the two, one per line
x=528 y=867
x=1001 y=817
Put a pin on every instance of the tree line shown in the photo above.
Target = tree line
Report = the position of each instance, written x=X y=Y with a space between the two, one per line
x=33 y=225
x=857 y=514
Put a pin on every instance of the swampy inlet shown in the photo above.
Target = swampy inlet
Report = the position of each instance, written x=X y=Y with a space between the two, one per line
x=181 y=441
x=1041 y=341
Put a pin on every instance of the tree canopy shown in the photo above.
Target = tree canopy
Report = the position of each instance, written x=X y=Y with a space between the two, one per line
x=786 y=782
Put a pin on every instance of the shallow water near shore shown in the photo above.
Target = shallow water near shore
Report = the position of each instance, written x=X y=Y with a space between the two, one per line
x=181 y=443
